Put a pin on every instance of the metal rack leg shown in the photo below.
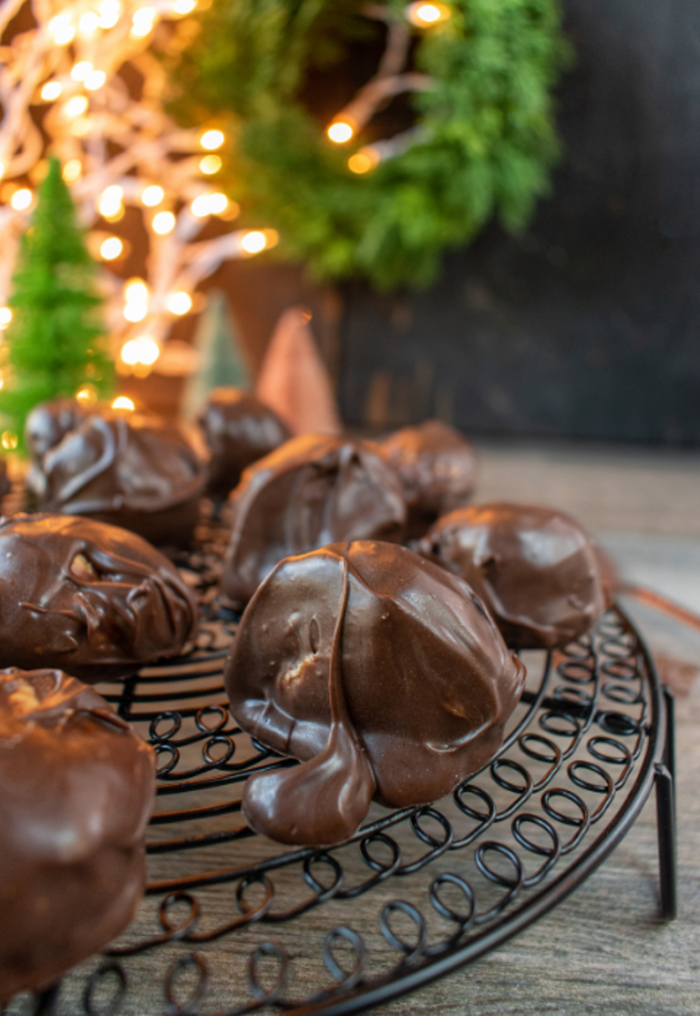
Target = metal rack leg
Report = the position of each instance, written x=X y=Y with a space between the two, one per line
x=666 y=817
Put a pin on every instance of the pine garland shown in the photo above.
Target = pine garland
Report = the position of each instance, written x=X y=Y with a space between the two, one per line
x=54 y=343
x=485 y=145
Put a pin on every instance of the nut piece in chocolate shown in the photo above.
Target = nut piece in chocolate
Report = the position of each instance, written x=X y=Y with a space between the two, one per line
x=380 y=671
x=534 y=568
x=312 y=491
x=437 y=467
x=133 y=470
x=76 y=792
x=239 y=429
x=92 y=599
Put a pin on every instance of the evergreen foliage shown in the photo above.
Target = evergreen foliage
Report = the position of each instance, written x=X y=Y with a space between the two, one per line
x=487 y=139
x=54 y=344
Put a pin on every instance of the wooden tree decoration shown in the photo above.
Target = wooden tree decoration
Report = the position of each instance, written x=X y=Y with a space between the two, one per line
x=55 y=342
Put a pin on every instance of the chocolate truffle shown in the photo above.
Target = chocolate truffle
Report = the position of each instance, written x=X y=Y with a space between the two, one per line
x=381 y=671
x=46 y=426
x=312 y=491
x=76 y=792
x=437 y=467
x=534 y=568
x=238 y=429
x=133 y=470
x=90 y=598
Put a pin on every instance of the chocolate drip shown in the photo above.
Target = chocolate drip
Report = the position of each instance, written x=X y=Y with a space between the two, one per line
x=323 y=800
x=398 y=695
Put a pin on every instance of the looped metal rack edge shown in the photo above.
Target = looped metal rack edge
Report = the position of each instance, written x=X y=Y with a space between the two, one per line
x=233 y=924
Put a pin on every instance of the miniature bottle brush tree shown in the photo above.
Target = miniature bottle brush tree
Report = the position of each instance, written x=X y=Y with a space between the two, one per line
x=54 y=345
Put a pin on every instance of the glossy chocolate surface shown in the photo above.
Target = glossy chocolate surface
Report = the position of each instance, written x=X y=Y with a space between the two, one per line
x=437 y=467
x=46 y=426
x=130 y=469
x=239 y=429
x=312 y=491
x=534 y=568
x=89 y=598
x=379 y=670
x=76 y=792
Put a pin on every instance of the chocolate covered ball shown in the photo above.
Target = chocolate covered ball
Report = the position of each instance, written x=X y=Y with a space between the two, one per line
x=90 y=598
x=76 y=792
x=534 y=568
x=437 y=467
x=381 y=671
x=45 y=427
x=312 y=491
x=129 y=469
x=238 y=429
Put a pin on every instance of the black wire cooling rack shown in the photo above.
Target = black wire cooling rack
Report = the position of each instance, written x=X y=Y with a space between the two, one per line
x=234 y=924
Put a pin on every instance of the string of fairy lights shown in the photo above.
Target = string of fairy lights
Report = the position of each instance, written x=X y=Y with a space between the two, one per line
x=83 y=84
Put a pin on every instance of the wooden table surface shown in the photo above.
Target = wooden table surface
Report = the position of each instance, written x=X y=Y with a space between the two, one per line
x=604 y=949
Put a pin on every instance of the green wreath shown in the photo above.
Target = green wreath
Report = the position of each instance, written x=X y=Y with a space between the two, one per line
x=481 y=143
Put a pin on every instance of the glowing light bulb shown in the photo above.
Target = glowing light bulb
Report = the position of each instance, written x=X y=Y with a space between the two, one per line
x=423 y=15
x=5 y=317
x=95 y=80
x=111 y=248
x=142 y=22
x=51 y=91
x=164 y=222
x=254 y=242
x=363 y=161
x=340 y=132
x=179 y=303
x=210 y=164
x=211 y=140
x=87 y=395
x=72 y=170
x=81 y=70
x=200 y=206
x=135 y=312
x=21 y=199
x=152 y=195
x=110 y=206
x=8 y=440
x=143 y=350
x=184 y=6
x=80 y=127
x=110 y=12
x=123 y=402
x=2 y=169
x=217 y=203
x=136 y=291
x=61 y=30
x=75 y=106
x=89 y=23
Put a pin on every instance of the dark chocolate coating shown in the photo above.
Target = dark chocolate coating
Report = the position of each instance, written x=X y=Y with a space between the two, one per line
x=239 y=429
x=437 y=467
x=312 y=491
x=76 y=792
x=534 y=568
x=133 y=470
x=89 y=598
x=45 y=427
x=378 y=669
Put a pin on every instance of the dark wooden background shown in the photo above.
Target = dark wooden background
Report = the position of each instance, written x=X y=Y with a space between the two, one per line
x=588 y=326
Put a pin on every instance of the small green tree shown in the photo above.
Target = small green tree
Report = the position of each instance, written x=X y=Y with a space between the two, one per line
x=54 y=345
